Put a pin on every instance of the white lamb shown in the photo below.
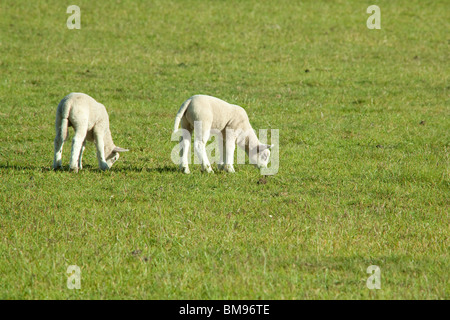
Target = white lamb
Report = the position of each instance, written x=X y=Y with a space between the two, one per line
x=91 y=122
x=220 y=116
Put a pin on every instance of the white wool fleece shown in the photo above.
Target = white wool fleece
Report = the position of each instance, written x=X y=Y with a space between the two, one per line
x=90 y=122
x=228 y=119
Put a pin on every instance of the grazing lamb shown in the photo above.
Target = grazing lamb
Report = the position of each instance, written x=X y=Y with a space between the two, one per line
x=230 y=120
x=91 y=122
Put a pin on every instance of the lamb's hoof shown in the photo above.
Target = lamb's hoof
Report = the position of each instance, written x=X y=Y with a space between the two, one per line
x=74 y=169
x=229 y=168
x=185 y=170
x=57 y=168
x=104 y=167
x=208 y=169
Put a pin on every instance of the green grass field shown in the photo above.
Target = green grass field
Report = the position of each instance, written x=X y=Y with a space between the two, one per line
x=363 y=118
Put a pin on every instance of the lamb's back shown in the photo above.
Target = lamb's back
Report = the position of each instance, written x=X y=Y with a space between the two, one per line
x=219 y=112
x=80 y=107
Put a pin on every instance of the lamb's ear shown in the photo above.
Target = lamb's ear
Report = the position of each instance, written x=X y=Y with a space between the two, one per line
x=119 y=149
x=263 y=147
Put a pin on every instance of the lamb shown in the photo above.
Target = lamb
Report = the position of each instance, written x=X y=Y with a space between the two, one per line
x=230 y=120
x=91 y=122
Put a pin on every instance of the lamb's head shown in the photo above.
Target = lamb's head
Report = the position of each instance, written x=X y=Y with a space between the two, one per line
x=114 y=155
x=260 y=157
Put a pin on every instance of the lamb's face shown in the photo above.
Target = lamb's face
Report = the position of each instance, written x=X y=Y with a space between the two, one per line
x=113 y=157
x=263 y=159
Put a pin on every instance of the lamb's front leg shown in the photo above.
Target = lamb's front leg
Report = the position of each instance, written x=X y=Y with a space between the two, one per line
x=230 y=146
x=100 y=145
x=222 y=148
x=80 y=164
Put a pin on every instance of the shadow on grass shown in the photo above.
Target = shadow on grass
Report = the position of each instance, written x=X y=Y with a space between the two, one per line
x=162 y=169
x=26 y=167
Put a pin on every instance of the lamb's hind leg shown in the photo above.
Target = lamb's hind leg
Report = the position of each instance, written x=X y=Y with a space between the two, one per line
x=185 y=142
x=200 y=147
x=61 y=133
x=57 y=159
x=77 y=145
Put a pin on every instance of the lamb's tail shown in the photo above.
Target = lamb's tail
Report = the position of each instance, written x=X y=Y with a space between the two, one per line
x=64 y=129
x=62 y=118
x=180 y=114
